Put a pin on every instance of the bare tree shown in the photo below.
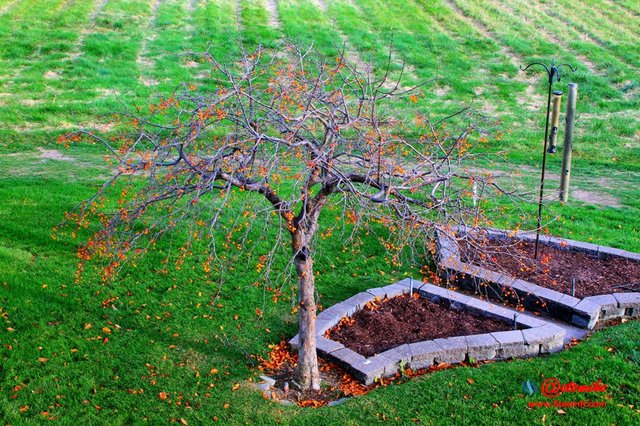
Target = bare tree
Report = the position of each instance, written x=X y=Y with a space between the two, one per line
x=300 y=132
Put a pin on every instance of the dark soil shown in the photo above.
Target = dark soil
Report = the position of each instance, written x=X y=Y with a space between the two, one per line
x=393 y=322
x=555 y=268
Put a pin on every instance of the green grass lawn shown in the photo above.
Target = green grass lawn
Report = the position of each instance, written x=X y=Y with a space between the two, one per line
x=65 y=64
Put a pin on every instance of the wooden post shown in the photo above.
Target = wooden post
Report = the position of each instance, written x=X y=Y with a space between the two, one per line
x=565 y=176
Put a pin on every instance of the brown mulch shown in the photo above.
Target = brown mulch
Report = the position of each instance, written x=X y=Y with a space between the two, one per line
x=555 y=268
x=392 y=322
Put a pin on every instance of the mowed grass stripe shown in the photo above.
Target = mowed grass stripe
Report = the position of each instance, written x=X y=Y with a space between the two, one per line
x=499 y=14
x=370 y=45
x=439 y=55
x=21 y=28
x=611 y=68
x=56 y=40
x=619 y=44
x=631 y=5
x=215 y=27
x=257 y=25
x=144 y=61
x=619 y=15
x=87 y=28
x=173 y=30
x=108 y=63
x=7 y=5
x=513 y=86
x=529 y=42
x=598 y=20
x=304 y=22
x=600 y=55
x=38 y=79
x=274 y=16
x=351 y=53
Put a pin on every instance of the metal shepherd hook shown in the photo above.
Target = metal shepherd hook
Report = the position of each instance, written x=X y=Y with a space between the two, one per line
x=553 y=72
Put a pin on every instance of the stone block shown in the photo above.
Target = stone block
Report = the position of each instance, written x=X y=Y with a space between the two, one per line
x=446 y=244
x=433 y=293
x=326 y=346
x=580 y=246
x=322 y=325
x=345 y=357
x=394 y=290
x=633 y=256
x=608 y=306
x=586 y=314
x=336 y=312
x=482 y=347
x=399 y=355
x=610 y=251
x=512 y=344
x=367 y=370
x=423 y=354
x=548 y=338
x=377 y=292
x=454 y=350
x=525 y=287
x=295 y=342
x=528 y=321
x=629 y=303
x=410 y=283
x=358 y=301
x=549 y=295
x=568 y=301
x=490 y=310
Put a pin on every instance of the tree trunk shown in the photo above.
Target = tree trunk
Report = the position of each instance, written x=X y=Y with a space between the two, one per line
x=308 y=374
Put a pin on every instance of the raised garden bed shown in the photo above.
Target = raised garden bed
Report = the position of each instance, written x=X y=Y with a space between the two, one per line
x=605 y=278
x=388 y=323
x=527 y=335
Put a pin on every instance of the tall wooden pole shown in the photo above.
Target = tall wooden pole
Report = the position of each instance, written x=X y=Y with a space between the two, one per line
x=565 y=176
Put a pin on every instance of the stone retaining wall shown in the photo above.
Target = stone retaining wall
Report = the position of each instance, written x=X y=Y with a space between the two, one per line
x=584 y=313
x=533 y=336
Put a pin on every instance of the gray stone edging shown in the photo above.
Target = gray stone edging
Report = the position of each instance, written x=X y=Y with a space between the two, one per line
x=533 y=336
x=584 y=313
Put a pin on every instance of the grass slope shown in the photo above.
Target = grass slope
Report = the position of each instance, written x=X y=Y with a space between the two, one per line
x=172 y=334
